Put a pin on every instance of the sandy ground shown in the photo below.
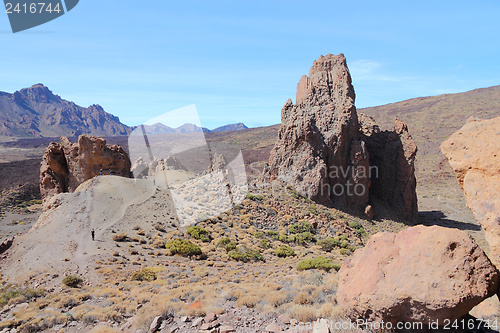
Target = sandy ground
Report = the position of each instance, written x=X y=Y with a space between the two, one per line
x=61 y=241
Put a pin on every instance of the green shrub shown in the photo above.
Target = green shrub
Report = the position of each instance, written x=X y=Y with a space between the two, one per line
x=342 y=237
x=283 y=238
x=258 y=234
x=296 y=239
x=328 y=244
x=144 y=274
x=360 y=232
x=272 y=233
x=313 y=210
x=183 y=247
x=284 y=251
x=355 y=225
x=319 y=262
x=344 y=244
x=308 y=237
x=230 y=246
x=343 y=252
x=301 y=227
x=10 y=291
x=198 y=233
x=265 y=244
x=245 y=255
x=72 y=281
x=254 y=197
x=223 y=242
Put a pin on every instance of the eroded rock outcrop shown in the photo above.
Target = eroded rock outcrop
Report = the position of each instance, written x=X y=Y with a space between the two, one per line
x=66 y=165
x=474 y=154
x=418 y=275
x=330 y=155
x=319 y=147
x=393 y=154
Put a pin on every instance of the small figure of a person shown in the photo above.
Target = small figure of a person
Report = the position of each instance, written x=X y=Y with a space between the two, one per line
x=100 y=172
x=92 y=232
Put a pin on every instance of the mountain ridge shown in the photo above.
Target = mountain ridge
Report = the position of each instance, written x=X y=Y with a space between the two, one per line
x=37 y=112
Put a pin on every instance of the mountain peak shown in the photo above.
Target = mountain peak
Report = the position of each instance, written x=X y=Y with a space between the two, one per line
x=39 y=93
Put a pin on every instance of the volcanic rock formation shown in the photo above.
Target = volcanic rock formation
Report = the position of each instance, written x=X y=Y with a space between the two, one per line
x=393 y=154
x=324 y=153
x=66 y=165
x=474 y=154
x=421 y=274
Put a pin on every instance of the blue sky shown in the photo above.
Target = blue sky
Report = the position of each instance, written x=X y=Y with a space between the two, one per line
x=240 y=61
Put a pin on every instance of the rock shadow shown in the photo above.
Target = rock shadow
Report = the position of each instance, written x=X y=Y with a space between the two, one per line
x=436 y=217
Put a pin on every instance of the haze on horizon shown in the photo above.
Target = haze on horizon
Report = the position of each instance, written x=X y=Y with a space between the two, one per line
x=241 y=62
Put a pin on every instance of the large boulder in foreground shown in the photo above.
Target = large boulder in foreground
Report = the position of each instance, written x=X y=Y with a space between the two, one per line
x=420 y=274
x=66 y=165
x=474 y=154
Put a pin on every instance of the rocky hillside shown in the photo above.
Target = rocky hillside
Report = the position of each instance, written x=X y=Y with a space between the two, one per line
x=37 y=112
x=432 y=120
x=230 y=127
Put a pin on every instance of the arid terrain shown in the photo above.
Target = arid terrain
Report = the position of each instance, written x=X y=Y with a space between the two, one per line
x=267 y=263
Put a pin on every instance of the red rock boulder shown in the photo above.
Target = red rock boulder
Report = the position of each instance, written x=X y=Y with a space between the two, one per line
x=421 y=274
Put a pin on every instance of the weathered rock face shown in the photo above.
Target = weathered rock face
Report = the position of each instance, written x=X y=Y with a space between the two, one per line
x=330 y=155
x=6 y=244
x=393 y=154
x=474 y=154
x=420 y=274
x=66 y=165
x=319 y=149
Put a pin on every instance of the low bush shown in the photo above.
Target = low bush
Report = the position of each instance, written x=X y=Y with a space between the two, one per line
x=328 y=244
x=301 y=227
x=72 y=281
x=121 y=237
x=245 y=255
x=10 y=291
x=355 y=225
x=223 y=242
x=254 y=197
x=258 y=234
x=308 y=237
x=230 y=246
x=159 y=227
x=183 y=247
x=265 y=244
x=284 y=251
x=272 y=233
x=319 y=262
x=144 y=274
x=313 y=210
x=198 y=233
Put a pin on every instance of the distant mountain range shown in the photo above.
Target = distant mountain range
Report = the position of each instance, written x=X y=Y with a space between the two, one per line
x=37 y=112
x=159 y=128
